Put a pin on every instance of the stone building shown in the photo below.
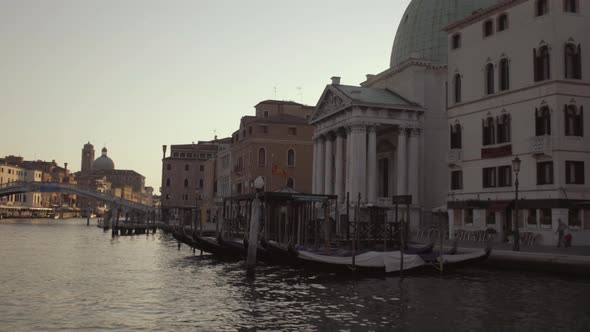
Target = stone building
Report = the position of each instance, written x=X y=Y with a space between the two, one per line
x=388 y=136
x=275 y=144
x=517 y=88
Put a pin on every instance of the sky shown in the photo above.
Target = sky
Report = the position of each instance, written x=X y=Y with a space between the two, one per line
x=137 y=74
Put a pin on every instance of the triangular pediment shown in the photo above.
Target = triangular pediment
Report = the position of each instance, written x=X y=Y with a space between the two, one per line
x=332 y=101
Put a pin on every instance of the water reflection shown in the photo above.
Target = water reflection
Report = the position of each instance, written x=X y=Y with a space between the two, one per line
x=69 y=276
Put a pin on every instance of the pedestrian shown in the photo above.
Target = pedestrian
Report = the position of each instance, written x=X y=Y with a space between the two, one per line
x=567 y=238
x=560 y=230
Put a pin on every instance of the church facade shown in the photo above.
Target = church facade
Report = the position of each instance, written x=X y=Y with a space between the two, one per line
x=387 y=136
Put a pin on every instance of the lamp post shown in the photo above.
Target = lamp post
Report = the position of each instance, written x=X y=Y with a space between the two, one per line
x=516 y=169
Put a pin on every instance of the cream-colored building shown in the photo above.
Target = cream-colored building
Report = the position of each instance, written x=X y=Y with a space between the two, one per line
x=518 y=85
x=387 y=136
x=11 y=173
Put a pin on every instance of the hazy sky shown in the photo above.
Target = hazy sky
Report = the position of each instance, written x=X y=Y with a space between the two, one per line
x=136 y=74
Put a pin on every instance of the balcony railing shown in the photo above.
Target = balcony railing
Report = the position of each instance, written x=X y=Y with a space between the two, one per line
x=454 y=156
x=540 y=144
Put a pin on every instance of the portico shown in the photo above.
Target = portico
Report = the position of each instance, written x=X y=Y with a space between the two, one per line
x=367 y=141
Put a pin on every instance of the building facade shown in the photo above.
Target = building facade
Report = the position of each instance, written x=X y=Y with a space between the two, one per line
x=387 y=136
x=276 y=144
x=517 y=88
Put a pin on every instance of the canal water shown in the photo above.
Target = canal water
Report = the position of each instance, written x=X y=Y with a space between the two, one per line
x=60 y=275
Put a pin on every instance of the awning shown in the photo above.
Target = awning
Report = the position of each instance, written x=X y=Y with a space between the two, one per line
x=499 y=206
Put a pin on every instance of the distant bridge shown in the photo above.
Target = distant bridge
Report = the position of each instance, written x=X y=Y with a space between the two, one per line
x=58 y=187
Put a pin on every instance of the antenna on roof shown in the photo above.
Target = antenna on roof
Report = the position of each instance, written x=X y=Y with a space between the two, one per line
x=300 y=93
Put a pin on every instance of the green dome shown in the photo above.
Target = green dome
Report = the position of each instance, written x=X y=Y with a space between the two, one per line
x=420 y=34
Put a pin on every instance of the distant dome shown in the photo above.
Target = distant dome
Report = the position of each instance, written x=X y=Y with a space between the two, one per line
x=419 y=34
x=103 y=162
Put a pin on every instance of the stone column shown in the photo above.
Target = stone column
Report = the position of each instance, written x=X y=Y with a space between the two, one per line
x=328 y=187
x=358 y=169
x=372 y=165
x=314 y=173
x=320 y=165
x=414 y=165
x=347 y=177
x=339 y=161
x=402 y=158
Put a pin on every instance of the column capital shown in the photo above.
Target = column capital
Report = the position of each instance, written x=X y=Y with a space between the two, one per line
x=359 y=128
x=330 y=136
x=341 y=131
x=414 y=131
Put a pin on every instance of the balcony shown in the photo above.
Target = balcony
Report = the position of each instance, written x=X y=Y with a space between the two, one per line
x=455 y=156
x=540 y=144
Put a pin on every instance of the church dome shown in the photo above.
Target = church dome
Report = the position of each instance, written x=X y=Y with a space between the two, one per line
x=103 y=162
x=419 y=34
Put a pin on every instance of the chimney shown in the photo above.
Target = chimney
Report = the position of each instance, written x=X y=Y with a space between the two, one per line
x=163 y=151
x=66 y=166
x=335 y=80
x=370 y=77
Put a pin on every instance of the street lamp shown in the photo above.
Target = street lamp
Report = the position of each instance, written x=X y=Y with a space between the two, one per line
x=516 y=169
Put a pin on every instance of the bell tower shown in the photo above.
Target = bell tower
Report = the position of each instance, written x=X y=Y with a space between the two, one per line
x=87 y=158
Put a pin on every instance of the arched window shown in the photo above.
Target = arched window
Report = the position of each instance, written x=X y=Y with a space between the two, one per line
x=290 y=183
x=574 y=120
x=168 y=182
x=504 y=75
x=185 y=183
x=291 y=158
x=488 y=28
x=504 y=128
x=261 y=157
x=570 y=6
x=457 y=84
x=168 y=167
x=186 y=167
x=573 y=61
x=541 y=8
x=489 y=78
x=502 y=22
x=489 y=129
x=542 y=64
x=456 y=136
x=543 y=121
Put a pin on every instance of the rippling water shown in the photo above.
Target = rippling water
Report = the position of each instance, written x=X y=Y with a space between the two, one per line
x=62 y=275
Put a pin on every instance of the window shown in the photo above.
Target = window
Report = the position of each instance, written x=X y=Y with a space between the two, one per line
x=175 y=154
x=201 y=183
x=456 y=41
x=541 y=8
x=504 y=75
x=574 y=172
x=542 y=121
x=574 y=218
x=545 y=218
x=573 y=61
x=201 y=168
x=265 y=114
x=290 y=183
x=457 y=83
x=250 y=130
x=531 y=219
x=542 y=64
x=488 y=28
x=291 y=158
x=261 y=157
x=502 y=22
x=490 y=218
x=489 y=78
x=168 y=182
x=489 y=177
x=263 y=129
x=545 y=173
x=469 y=217
x=504 y=176
x=182 y=155
x=456 y=180
x=186 y=167
x=168 y=167
x=456 y=136
x=504 y=128
x=292 y=131
x=570 y=6
x=489 y=131
x=574 y=120
x=185 y=183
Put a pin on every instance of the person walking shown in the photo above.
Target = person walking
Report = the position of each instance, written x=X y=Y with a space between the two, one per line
x=560 y=230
